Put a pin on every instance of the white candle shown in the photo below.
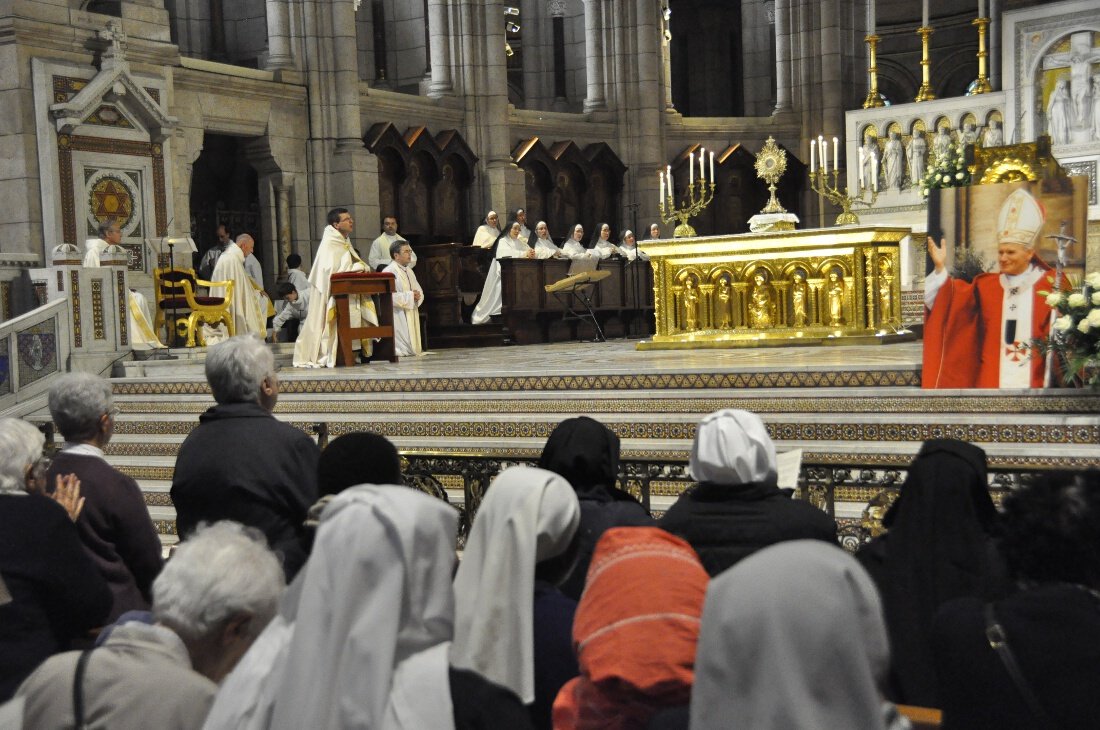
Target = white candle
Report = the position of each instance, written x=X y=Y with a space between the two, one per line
x=813 y=153
x=981 y=8
x=668 y=174
x=825 y=156
x=661 y=200
x=924 y=14
x=691 y=169
x=860 y=168
x=871 y=17
x=712 y=167
x=702 y=176
x=836 y=155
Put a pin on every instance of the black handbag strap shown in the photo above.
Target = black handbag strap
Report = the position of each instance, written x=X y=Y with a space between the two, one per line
x=78 y=690
x=998 y=641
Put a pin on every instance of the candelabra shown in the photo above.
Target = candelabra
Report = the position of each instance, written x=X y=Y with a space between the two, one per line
x=819 y=183
x=925 y=91
x=983 y=86
x=873 y=98
x=699 y=195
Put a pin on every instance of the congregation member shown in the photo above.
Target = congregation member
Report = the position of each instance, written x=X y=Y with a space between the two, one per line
x=528 y=516
x=50 y=590
x=938 y=546
x=793 y=637
x=629 y=248
x=142 y=335
x=978 y=334
x=294 y=311
x=508 y=246
x=362 y=638
x=115 y=526
x=574 y=246
x=602 y=246
x=544 y=245
x=248 y=303
x=586 y=453
x=241 y=463
x=378 y=258
x=520 y=216
x=736 y=507
x=1032 y=659
x=635 y=633
x=210 y=258
x=317 y=342
x=294 y=273
x=488 y=232
x=210 y=602
x=407 y=300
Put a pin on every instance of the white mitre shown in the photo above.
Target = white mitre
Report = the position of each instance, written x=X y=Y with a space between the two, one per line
x=1020 y=219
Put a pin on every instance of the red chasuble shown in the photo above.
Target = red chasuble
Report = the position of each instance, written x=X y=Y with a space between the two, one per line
x=967 y=335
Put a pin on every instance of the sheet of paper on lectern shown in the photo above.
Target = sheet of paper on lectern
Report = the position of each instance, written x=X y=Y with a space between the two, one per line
x=788 y=464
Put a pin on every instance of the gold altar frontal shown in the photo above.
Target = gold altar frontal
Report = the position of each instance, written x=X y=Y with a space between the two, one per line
x=819 y=286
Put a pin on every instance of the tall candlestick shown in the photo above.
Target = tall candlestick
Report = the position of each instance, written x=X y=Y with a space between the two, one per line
x=712 y=168
x=836 y=155
x=981 y=8
x=824 y=156
x=871 y=17
x=668 y=174
x=702 y=176
x=813 y=153
x=924 y=14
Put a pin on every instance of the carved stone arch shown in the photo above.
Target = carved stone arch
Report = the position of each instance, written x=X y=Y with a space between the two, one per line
x=896 y=81
x=605 y=186
x=959 y=69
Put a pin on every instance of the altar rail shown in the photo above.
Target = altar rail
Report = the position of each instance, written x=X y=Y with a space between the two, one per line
x=34 y=348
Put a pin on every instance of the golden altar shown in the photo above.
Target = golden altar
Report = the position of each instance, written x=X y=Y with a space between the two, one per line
x=820 y=286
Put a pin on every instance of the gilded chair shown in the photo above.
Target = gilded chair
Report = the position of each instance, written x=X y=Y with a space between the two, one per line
x=177 y=293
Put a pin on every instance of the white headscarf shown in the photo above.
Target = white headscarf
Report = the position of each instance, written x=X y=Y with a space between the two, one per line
x=527 y=515
x=374 y=596
x=732 y=447
x=792 y=637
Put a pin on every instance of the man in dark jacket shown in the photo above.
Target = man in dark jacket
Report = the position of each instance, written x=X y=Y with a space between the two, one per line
x=737 y=508
x=243 y=464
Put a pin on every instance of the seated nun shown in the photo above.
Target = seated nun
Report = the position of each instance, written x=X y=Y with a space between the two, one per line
x=508 y=246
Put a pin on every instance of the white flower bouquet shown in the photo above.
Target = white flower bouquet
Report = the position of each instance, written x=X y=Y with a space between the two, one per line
x=1075 y=336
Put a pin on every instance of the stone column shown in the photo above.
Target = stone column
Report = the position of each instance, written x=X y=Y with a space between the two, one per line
x=666 y=54
x=217 y=31
x=279 y=54
x=282 y=223
x=345 y=75
x=782 y=57
x=593 y=66
x=439 y=32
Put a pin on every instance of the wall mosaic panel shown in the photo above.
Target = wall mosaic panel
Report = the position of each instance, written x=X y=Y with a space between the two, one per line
x=37 y=352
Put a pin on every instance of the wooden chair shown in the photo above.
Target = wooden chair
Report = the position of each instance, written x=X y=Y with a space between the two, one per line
x=177 y=292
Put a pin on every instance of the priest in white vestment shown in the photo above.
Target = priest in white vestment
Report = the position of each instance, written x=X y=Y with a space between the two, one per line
x=249 y=313
x=489 y=231
x=317 y=340
x=544 y=245
x=509 y=246
x=406 y=301
x=379 y=255
x=574 y=247
x=142 y=335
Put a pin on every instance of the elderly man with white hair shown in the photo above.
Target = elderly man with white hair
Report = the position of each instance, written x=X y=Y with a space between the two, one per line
x=249 y=302
x=50 y=592
x=115 y=527
x=211 y=601
x=243 y=464
x=736 y=507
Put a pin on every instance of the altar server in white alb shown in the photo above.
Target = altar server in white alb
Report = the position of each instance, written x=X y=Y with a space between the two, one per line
x=248 y=303
x=142 y=336
x=509 y=246
x=406 y=301
x=317 y=342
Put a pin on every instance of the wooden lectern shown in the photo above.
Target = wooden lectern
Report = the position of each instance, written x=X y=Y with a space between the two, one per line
x=363 y=284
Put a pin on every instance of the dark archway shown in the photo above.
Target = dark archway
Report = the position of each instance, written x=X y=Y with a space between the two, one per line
x=224 y=189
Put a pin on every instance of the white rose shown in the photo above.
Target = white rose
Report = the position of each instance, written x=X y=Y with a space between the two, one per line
x=958 y=176
x=1077 y=299
x=1083 y=326
x=1096 y=298
x=1093 y=279
x=947 y=178
x=1063 y=324
x=1094 y=318
x=1054 y=299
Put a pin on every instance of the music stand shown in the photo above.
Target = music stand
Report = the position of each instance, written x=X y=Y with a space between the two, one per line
x=574 y=288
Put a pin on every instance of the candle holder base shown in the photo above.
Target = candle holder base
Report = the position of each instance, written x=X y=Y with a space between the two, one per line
x=925 y=93
x=772 y=222
x=873 y=100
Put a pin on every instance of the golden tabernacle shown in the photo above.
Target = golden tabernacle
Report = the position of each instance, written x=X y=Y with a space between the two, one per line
x=827 y=285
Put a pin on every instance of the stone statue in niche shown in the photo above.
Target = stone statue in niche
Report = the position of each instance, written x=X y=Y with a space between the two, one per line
x=870 y=161
x=723 y=298
x=690 y=297
x=893 y=165
x=994 y=135
x=918 y=157
x=1058 y=113
x=834 y=292
x=969 y=134
x=798 y=299
x=1096 y=108
x=941 y=144
x=761 y=303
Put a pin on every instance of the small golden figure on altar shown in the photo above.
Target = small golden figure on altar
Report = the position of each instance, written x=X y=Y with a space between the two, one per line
x=798 y=299
x=725 y=293
x=691 y=304
x=762 y=305
x=835 y=293
x=885 y=288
